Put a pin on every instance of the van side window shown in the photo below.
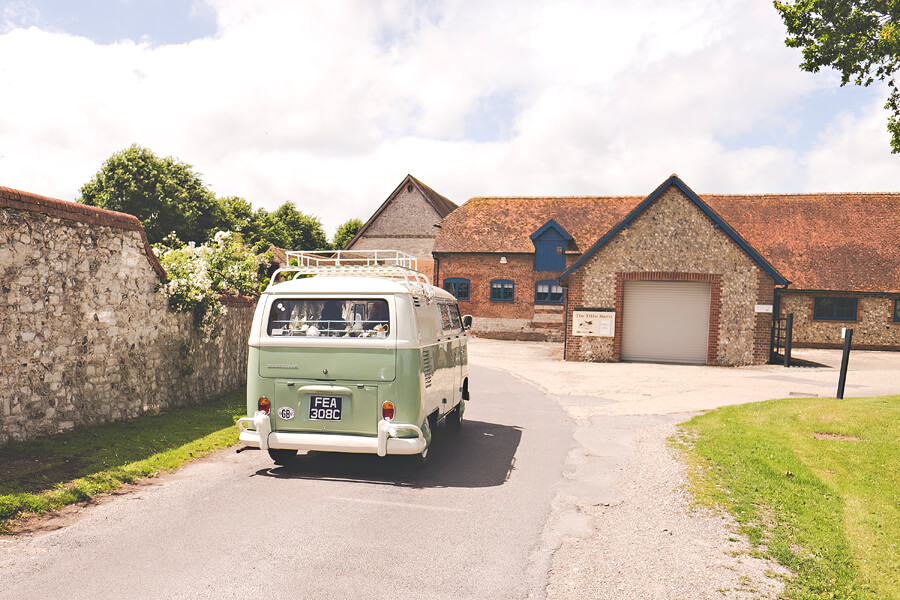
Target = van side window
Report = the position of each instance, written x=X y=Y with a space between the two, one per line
x=454 y=316
x=333 y=318
x=446 y=321
x=450 y=318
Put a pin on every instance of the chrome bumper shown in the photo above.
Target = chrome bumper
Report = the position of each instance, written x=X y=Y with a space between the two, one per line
x=257 y=431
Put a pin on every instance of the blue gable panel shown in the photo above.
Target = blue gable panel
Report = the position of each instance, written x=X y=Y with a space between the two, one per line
x=552 y=228
x=549 y=255
x=550 y=243
x=674 y=180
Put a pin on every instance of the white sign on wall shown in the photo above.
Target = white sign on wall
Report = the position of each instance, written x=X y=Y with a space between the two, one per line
x=763 y=308
x=594 y=323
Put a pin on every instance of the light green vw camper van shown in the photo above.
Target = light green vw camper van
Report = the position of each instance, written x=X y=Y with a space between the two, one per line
x=354 y=352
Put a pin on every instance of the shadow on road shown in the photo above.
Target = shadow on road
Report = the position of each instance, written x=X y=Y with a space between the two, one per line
x=481 y=455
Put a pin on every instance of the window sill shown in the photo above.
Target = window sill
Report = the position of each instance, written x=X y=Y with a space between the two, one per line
x=815 y=320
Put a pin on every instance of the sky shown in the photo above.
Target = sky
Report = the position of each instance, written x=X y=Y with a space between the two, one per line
x=329 y=104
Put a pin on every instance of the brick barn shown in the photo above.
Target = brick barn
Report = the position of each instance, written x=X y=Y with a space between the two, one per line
x=673 y=277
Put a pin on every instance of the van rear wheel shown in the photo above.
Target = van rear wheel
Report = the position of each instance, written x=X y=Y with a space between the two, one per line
x=421 y=460
x=282 y=457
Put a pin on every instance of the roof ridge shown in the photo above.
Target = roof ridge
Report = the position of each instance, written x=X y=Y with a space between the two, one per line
x=702 y=195
x=802 y=194
x=443 y=205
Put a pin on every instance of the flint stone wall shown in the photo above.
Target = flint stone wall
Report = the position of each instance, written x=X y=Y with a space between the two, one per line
x=86 y=335
x=873 y=329
x=673 y=240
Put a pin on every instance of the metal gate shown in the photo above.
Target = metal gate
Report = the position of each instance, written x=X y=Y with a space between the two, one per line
x=782 y=339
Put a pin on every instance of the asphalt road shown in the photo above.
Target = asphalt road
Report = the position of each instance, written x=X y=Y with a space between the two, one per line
x=329 y=526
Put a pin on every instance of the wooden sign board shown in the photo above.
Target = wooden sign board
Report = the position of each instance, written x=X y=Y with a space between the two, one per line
x=593 y=323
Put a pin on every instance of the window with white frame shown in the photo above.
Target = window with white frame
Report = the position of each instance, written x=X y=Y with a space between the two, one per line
x=502 y=290
x=548 y=292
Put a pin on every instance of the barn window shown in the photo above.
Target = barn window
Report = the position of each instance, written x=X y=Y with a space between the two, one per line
x=502 y=290
x=897 y=311
x=548 y=292
x=458 y=286
x=835 y=309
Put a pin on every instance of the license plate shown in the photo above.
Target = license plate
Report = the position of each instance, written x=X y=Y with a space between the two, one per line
x=325 y=408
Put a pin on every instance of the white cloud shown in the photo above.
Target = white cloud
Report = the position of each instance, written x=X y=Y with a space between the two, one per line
x=330 y=104
x=851 y=155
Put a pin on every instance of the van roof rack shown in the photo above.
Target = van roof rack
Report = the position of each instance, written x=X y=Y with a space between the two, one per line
x=388 y=264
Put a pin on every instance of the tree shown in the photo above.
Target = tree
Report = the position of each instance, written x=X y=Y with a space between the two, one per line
x=345 y=233
x=858 y=38
x=237 y=214
x=164 y=194
x=287 y=228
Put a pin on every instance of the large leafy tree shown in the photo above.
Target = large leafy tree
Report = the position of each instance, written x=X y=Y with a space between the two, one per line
x=288 y=228
x=345 y=233
x=237 y=215
x=858 y=38
x=164 y=194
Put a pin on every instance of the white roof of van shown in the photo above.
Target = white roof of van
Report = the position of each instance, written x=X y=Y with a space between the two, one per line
x=349 y=285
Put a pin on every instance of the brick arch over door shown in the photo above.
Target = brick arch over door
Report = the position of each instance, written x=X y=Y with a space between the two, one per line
x=715 y=295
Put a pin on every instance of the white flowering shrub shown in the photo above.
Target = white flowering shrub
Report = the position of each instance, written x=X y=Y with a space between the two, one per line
x=199 y=275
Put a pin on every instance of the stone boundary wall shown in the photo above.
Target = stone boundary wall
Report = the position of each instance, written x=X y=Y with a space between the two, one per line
x=86 y=335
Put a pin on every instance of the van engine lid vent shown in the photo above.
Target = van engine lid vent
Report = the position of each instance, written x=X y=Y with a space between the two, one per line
x=427 y=366
x=417 y=302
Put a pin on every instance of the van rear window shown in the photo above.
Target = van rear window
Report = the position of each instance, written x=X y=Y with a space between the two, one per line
x=333 y=318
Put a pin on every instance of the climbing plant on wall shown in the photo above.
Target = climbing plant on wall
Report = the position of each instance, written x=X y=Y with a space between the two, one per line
x=198 y=275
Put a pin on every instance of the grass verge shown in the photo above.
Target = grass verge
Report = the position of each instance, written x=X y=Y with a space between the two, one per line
x=45 y=474
x=812 y=483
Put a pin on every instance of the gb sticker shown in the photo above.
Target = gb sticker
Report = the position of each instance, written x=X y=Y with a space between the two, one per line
x=286 y=413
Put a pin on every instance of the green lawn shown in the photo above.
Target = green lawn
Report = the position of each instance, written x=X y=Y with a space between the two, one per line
x=814 y=483
x=47 y=473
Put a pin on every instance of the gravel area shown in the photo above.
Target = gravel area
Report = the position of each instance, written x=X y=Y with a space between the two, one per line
x=648 y=543
x=623 y=525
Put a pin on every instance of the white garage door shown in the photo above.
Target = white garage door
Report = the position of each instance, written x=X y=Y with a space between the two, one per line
x=665 y=321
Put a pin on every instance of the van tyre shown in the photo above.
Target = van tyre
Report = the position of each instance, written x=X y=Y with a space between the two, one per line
x=454 y=419
x=282 y=457
x=421 y=460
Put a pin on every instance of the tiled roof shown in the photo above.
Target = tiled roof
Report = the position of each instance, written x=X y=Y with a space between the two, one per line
x=506 y=224
x=442 y=205
x=717 y=221
x=822 y=241
x=816 y=241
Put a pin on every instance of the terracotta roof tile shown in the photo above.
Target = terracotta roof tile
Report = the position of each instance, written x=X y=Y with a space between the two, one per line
x=822 y=241
x=443 y=205
x=506 y=224
x=817 y=241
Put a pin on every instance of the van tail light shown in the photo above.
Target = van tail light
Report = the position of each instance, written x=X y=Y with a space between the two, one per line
x=387 y=411
x=264 y=405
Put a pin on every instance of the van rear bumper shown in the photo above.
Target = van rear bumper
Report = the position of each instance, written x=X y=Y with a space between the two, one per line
x=387 y=442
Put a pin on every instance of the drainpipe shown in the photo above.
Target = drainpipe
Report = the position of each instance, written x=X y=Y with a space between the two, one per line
x=437 y=269
x=565 y=317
